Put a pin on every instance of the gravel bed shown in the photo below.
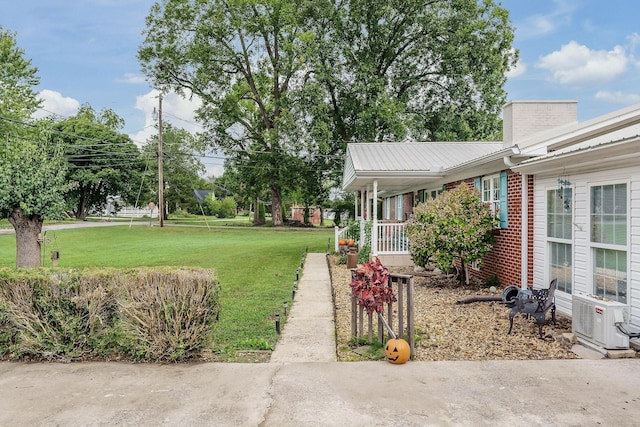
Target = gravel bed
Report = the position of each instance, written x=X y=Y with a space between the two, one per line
x=446 y=330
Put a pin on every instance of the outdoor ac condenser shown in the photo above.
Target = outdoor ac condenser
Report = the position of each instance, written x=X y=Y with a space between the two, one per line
x=594 y=320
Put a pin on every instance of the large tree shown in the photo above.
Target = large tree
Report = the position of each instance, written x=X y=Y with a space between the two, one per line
x=243 y=58
x=281 y=79
x=31 y=166
x=102 y=161
x=413 y=69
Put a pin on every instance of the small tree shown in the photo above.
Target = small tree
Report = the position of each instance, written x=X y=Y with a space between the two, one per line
x=454 y=226
x=32 y=169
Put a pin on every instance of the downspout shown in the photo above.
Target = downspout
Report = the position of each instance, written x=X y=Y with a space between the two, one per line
x=525 y=231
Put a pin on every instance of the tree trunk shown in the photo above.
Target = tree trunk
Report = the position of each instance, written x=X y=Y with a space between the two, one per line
x=81 y=208
x=256 y=213
x=276 y=205
x=27 y=235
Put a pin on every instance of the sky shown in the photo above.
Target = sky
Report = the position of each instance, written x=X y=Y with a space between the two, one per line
x=85 y=51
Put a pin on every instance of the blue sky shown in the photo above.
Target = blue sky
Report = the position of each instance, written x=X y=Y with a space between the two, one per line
x=85 y=51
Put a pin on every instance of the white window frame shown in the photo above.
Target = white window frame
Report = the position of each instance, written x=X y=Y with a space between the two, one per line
x=560 y=240
x=387 y=208
x=490 y=190
x=400 y=207
x=593 y=246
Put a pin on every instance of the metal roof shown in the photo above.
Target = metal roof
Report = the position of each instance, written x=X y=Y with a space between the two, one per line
x=401 y=165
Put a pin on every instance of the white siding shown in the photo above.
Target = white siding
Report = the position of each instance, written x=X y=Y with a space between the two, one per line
x=582 y=279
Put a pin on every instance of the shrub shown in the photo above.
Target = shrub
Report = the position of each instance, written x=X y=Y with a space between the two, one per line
x=262 y=215
x=227 y=208
x=370 y=287
x=171 y=314
x=55 y=314
x=153 y=314
x=454 y=226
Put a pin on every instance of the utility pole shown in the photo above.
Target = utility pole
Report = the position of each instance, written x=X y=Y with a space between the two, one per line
x=160 y=172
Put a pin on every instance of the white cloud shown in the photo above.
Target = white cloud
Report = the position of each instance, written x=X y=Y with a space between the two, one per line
x=54 y=103
x=177 y=110
x=577 y=64
x=180 y=112
x=618 y=97
x=519 y=69
x=540 y=25
x=131 y=78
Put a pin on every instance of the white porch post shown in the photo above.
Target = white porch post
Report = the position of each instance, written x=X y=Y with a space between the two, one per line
x=368 y=210
x=355 y=205
x=374 y=225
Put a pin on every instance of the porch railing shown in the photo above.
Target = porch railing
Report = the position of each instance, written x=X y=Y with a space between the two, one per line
x=392 y=238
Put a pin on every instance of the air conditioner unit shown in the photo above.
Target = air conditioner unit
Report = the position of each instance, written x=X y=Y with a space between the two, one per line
x=594 y=320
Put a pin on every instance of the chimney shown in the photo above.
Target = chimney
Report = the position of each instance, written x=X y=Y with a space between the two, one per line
x=522 y=119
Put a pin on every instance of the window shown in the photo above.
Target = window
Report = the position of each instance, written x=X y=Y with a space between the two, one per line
x=400 y=207
x=609 y=227
x=491 y=192
x=559 y=237
x=494 y=191
x=387 y=208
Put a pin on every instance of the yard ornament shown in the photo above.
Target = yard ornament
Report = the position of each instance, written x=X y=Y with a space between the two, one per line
x=397 y=351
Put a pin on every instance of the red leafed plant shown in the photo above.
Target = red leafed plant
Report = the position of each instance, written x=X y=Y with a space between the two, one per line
x=369 y=286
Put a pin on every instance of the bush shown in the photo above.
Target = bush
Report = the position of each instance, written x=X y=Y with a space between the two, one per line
x=227 y=208
x=66 y=314
x=454 y=226
x=171 y=316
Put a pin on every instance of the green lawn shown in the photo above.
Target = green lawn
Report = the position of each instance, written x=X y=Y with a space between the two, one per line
x=256 y=267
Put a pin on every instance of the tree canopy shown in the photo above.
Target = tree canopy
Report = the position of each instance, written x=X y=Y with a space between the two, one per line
x=242 y=58
x=102 y=161
x=32 y=169
x=287 y=83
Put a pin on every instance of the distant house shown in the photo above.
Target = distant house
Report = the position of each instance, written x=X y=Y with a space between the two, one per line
x=567 y=195
x=201 y=194
x=297 y=214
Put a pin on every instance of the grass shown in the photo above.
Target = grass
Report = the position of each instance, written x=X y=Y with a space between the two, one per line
x=256 y=268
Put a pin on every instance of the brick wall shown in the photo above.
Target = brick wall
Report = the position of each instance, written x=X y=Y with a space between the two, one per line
x=504 y=259
x=407 y=207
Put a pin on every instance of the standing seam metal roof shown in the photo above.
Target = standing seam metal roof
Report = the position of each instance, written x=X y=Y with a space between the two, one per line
x=419 y=156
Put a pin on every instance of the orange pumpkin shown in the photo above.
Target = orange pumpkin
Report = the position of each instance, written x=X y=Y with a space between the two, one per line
x=342 y=242
x=397 y=351
x=351 y=242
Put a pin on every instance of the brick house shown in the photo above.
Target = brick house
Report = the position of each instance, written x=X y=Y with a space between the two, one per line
x=553 y=182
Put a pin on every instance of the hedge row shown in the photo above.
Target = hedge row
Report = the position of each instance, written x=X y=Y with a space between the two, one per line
x=149 y=314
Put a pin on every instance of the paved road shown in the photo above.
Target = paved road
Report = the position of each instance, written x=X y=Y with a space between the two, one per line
x=303 y=386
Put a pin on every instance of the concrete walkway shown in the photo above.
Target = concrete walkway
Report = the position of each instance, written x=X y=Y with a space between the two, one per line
x=303 y=386
x=309 y=333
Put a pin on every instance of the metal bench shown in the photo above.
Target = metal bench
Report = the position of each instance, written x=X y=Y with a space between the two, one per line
x=534 y=303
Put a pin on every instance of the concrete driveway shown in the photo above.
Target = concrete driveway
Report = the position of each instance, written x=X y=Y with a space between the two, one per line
x=493 y=393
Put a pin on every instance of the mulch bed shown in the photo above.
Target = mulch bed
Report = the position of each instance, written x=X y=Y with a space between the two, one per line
x=446 y=330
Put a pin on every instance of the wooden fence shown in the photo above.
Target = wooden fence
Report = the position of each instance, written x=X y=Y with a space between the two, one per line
x=403 y=327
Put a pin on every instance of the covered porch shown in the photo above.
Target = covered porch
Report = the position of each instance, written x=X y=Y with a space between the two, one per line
x=376 y=171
